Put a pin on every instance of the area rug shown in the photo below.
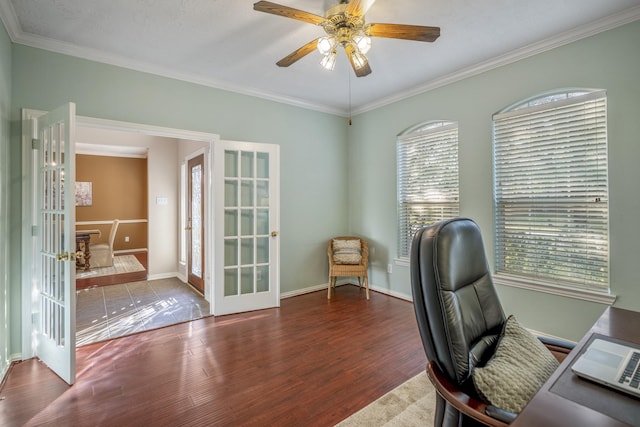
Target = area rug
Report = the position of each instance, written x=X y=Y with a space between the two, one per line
x=121 y=264
x=409 y=404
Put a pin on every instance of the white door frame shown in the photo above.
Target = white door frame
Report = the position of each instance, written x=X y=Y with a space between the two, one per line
x=29 y=297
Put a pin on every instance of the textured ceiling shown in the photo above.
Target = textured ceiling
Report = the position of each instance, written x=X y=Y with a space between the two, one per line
x=226 y=44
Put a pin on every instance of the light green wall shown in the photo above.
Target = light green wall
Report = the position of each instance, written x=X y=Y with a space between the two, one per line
x=610 y=61
x=5 y=106
x=312 y=145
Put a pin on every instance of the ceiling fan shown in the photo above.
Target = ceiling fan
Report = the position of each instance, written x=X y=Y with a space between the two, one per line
x=345 y=26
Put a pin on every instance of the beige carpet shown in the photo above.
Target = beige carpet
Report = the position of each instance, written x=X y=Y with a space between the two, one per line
x=409 y=404
x=121 y=264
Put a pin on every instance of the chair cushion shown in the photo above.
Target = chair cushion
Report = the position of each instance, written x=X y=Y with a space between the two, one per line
x=519 y=367
x=347 y=251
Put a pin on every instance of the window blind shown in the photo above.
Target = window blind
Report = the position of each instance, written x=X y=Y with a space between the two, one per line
x=551 y=192
x=427 y=180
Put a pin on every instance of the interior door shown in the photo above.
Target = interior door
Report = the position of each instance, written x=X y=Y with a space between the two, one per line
x=55 y=242
x=247 y=269
x=195 y=223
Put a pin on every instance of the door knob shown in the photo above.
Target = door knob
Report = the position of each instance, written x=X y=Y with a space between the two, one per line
x=274 y=234
x=62 y=257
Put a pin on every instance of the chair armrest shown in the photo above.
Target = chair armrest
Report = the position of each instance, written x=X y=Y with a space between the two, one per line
x=558 y=347
x=500 y=414
x=464 y=403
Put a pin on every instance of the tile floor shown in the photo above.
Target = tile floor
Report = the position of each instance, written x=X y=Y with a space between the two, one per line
x=113 y=311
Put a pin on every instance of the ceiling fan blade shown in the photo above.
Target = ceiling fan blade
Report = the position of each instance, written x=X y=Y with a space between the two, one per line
x=365 y=70
x=406 y=32
x=358 y=7
x=298 y=54
x=287 y=12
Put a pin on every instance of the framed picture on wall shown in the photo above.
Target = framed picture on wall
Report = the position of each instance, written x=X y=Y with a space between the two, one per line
x=83 y=193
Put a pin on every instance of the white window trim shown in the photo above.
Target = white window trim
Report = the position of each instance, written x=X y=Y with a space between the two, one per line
x=539 y=286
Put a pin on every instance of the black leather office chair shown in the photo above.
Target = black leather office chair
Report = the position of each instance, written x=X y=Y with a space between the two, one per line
x=460 y=318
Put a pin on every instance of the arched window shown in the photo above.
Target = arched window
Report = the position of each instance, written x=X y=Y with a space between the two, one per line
x=551 y=191
x=427 y=161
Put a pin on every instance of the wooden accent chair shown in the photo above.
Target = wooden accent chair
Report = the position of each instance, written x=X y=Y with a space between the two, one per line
x=460 y=319
x=102 y=253
x=348 y=257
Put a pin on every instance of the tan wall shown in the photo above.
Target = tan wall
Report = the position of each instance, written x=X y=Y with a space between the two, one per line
x=119 y=186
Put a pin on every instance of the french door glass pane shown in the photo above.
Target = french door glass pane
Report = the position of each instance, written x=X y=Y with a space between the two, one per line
x=262 y=278
x=246 y=227
x=196 y=221
x=247 y=238
x=247 y=251
x=262 y=165
x=230 y=253
x=262 y=221
x=231 y=193
x=230 y=223
x=230 y=282
x=247 y=164
x=246 y=280
x=262 y=250
x=230 y=164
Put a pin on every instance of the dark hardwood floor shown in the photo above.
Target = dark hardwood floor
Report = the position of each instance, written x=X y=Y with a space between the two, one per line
x=312 y=362
x=116 y=279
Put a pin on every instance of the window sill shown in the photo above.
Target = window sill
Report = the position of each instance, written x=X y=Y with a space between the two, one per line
x=592 y=296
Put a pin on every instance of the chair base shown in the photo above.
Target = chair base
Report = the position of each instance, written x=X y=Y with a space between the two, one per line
x=361 y=280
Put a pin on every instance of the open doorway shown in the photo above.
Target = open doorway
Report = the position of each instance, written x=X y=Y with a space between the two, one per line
x=145 y=190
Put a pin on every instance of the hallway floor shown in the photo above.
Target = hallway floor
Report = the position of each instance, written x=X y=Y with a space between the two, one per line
x=112 y=311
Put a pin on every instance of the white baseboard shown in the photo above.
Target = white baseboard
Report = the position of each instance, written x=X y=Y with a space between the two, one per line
x=163 y=276
x=130 y=251
x=16 y=357
x=392 y=293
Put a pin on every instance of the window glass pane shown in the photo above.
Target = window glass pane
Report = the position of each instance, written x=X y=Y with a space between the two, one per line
x=551 y=191
x=427 y=160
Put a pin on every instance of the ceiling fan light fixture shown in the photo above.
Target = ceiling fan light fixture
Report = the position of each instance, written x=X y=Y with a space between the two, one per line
x=358 y=59
x=328 y=61
x=326 y=44
x=362 y=42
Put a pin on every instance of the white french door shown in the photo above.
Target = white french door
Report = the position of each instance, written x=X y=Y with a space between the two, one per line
x=55 y=242
x=247 y=268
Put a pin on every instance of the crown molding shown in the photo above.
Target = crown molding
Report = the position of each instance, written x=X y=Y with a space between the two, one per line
x=578 y=33
x=9 y=19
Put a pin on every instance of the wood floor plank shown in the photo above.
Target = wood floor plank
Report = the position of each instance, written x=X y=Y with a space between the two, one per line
x=311 y=362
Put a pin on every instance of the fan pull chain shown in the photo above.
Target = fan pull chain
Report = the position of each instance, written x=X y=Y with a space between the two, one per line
x=349 y=77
